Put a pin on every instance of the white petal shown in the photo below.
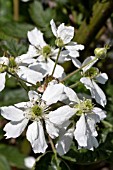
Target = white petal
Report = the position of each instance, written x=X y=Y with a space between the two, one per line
x=64 y=142
x=35 y=134
x=36 y=38
x=98 y=94
x=66 y=33
x=76 y=62
x=12 y=113
x=33 y=96
x=29 y=161
x=29 y=75
x=102 y=78
x=101 y=113
x=2 y=81
x=53 y=93
x=71 y=94
x=53 y=27
x=14 y=129
x=80 y=132
x=52 y=130
x=86 y=61
x=61 y=115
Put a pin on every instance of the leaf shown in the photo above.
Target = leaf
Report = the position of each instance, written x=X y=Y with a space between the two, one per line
x=12 y=154
x=4 y=165
x=41 y=17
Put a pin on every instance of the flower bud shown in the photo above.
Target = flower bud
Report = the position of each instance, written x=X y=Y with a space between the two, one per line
x=3 y=68
x=59 y=42
x=100 y=52
x=12 y=62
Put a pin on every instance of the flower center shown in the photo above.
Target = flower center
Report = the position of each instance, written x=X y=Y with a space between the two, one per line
x=84 y=106
x=36 y=110
x=92 y=72
x=46 y=50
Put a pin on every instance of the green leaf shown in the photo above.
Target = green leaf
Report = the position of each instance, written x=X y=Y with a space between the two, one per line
x=12 y=154
x=41 y=17
x=4 y=165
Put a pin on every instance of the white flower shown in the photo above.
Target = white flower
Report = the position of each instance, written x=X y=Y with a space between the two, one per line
x=89 y=79
x=29 y=162
x=85 y=129
x=37 y=111
x=43 y=54
x=63 y=33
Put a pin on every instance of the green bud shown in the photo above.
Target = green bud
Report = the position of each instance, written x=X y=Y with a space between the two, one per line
x=100 y=52
x=46 y=51
x=3 y=68
x=59 y=42
x=12 y=62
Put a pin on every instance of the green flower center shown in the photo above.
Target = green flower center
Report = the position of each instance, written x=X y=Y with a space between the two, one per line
x=92 y=72
x=46 y=51
x=84 y=106
x=37 y=110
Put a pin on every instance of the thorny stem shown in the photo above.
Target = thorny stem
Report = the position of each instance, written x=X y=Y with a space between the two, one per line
x=56 y=61
x=74 y=72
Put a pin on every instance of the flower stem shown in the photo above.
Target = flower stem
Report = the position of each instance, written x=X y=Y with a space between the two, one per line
x=56 y=61
x=16 y=10
x=74 y=72
x=54 y=150
x=74 y=85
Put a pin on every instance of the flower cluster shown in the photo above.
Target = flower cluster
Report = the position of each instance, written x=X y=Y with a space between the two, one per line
x=54 y=110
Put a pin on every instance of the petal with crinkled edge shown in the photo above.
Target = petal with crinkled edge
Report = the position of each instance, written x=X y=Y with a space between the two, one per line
x=64 y=142
x=61 y=115
x=14 y=129
x=66 y=33
x=101 y=113
x=12 y=113
x=2 y=81
x=35 y=135
x=35 y=37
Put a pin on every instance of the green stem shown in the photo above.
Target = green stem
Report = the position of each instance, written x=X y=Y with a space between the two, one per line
x=74 y=85
x=56 y=61
x=53 y=149
x=74 y=72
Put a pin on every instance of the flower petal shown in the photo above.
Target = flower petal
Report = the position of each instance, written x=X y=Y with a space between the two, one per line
x=102 y=78
x=35 y=135
x=12 y=113
x=53 y=27
x=64 y=142
x=2 y=81
x=14 y=129
x=35 y=37
x=33 y=96
x=61 y=115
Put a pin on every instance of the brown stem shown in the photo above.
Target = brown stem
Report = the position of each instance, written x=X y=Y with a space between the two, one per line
x=16 y=10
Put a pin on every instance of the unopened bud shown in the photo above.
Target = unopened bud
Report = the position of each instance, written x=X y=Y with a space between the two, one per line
x=59 y=42
x=101 y=52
